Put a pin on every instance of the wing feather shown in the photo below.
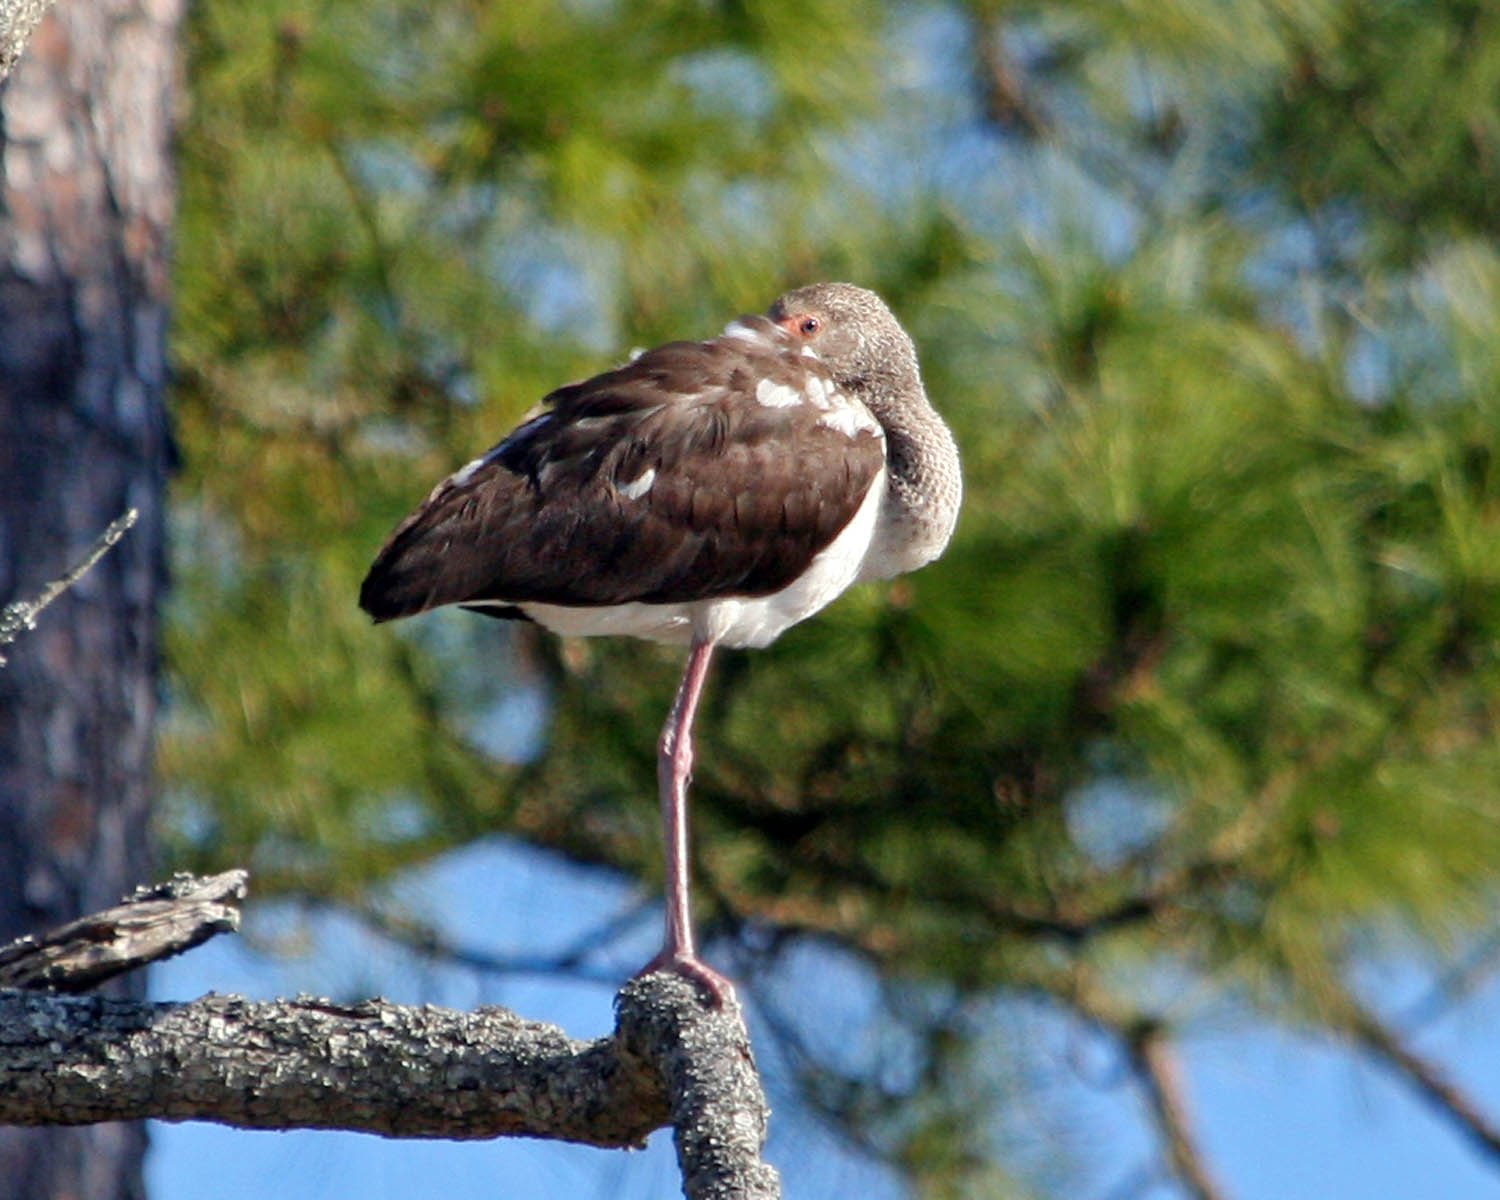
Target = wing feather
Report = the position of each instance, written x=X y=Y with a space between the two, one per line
x=741 y=496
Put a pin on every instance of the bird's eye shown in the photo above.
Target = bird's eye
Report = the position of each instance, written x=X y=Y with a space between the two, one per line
x=809 y=326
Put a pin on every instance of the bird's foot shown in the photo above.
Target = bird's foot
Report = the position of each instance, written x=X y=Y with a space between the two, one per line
x=718 y=989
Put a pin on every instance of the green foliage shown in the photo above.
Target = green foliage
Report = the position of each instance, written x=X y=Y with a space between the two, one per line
x=1398 y=112
x=1207 y=682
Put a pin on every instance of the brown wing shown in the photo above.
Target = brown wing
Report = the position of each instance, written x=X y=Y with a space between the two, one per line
x=665 y=481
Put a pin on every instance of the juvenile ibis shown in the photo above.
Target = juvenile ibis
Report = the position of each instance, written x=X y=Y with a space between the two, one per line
x=705 y=494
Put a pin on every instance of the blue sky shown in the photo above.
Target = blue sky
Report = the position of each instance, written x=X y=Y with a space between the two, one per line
x=1281 y=1116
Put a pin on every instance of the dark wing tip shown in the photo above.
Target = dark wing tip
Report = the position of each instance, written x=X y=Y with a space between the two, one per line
x=380 y=596
x=444 y=552
x=405 y=577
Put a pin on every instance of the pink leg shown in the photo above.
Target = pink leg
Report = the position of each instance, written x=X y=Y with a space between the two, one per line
x=674 y=766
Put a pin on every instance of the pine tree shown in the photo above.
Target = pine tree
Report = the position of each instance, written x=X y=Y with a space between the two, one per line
x=1200 y=705
x=86 y=205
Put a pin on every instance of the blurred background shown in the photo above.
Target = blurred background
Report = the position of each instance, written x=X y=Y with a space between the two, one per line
x=1146 y=845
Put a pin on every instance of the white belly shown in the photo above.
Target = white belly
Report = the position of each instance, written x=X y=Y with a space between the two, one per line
x=732 y=620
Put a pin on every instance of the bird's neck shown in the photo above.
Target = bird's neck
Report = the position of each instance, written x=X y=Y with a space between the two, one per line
x=924 y=484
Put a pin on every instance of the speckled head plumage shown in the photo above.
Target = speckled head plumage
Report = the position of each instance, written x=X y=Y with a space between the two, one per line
x=872 y=356
x=860 y=339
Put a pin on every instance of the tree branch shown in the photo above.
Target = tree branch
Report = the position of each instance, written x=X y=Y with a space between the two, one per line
x=1381 y=1040
x=309 y=1063
x=717 y=1107
x=1151 y=1056
x=400 y=1071
x=1009 y=103
x=373 y=1067
x=17 y=19
x=154 y=923
x=20 y=615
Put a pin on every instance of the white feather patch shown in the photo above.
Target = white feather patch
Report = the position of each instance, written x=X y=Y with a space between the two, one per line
x=466 y=472
x=638 y=487
x=777 y=395
x=821 y=392
x=517 y=435
x=746 y=333
x=850 y=419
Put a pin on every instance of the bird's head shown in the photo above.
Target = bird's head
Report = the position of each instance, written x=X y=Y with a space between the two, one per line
x=855 y=334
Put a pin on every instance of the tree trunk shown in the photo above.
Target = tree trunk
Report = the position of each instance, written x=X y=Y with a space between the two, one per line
x=86 y=202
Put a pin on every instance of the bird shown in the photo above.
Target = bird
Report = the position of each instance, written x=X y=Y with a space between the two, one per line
x=704 y=494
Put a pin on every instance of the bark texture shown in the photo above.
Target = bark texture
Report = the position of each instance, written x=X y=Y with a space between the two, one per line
x=401 y=1072
x=718 y=1110
x=154 y=923
x=86 y=202
x=310 y=1063
x=17 y=19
